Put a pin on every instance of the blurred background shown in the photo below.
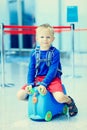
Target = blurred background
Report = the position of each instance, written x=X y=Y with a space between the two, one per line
x=36 y=12
x=14 y=59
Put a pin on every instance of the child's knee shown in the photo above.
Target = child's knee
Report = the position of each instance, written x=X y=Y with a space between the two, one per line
x=21 y=94
x=59 y=97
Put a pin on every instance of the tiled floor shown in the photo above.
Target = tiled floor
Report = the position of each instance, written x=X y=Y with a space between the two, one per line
x=13 y=114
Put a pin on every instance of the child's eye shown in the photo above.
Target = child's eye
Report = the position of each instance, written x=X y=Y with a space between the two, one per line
x=42 y=36
x=48 y=37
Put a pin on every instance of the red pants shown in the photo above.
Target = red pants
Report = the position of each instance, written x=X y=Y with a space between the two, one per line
x=54 y=86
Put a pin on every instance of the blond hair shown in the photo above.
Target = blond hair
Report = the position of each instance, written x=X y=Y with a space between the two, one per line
x=45 y=26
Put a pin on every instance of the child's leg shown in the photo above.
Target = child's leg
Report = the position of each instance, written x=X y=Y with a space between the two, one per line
x=62 y=98
x=21 y=94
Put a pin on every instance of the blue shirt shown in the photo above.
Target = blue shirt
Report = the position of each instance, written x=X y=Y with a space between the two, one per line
x=50 y=72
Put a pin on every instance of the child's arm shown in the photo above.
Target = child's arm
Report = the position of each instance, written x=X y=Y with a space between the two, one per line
x=42 y=89
x=31 y=70
x=28 y=89
x=53 y=69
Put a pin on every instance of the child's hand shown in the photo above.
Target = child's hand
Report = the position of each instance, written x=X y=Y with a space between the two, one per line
x=28 y=89
x=42 y=89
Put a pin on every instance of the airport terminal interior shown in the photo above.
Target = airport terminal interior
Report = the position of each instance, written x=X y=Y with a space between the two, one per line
x=15 y=52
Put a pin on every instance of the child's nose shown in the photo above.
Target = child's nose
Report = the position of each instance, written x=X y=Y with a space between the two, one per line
x=45 y=38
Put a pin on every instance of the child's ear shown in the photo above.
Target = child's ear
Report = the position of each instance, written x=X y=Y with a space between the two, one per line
x=36 y=38
x=53 y=38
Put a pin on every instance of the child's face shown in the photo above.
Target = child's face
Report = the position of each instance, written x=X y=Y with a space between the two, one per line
x=44 y=38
